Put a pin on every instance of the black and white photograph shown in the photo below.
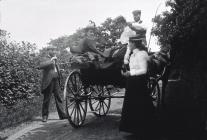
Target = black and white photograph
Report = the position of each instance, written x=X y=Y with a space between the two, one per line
x=103 y=70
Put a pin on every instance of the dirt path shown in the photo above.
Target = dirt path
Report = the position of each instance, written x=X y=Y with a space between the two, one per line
x=104 y=128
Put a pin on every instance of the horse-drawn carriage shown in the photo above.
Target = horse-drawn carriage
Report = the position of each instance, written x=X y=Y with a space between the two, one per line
x=94 y=84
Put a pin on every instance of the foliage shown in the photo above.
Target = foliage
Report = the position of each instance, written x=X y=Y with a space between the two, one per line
x=183 y=27
x=19 y=76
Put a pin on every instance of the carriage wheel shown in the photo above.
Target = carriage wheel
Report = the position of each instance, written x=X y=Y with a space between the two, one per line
x=76 y=100
x=100 y=100
x=155 y=93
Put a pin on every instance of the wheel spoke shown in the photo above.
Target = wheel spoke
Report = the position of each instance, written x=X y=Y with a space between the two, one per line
x=97 y=106
x=105 y=105
x=77 y=114
x=95 y=101
x=74 y=117
x=82 y=108
x=71 y=97
x=69 y=89
x=80 y=113
x=96 y=92
x=103 y=108
x=72 y=88
x=72 y=110
x=68 y=106
x=99 y=109
x=73 y=114
x=80 y=91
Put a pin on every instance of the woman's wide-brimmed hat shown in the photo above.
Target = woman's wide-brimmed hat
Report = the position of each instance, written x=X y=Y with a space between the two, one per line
x=136 y=38
x=139 y=41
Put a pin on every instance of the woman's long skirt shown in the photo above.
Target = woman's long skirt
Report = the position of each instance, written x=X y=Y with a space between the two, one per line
x=138 y=113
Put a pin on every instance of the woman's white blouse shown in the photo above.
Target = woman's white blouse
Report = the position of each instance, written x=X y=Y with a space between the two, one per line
x=134 y=62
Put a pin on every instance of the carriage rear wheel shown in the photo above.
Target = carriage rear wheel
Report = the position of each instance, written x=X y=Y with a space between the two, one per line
x=76 y=100
x=99 y=100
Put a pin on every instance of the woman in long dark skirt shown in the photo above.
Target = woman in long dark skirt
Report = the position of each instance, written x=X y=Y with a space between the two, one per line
x=138 y=114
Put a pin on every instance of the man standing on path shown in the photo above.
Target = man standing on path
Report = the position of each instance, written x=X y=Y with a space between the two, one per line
x=50 y=84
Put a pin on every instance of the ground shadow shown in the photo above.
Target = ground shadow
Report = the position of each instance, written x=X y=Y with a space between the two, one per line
x=3 y=138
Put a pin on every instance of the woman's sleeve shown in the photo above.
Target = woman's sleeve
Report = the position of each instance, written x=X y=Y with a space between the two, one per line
x=126 y=56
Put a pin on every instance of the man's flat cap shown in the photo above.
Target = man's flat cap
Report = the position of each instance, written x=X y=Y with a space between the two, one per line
x=136 y=12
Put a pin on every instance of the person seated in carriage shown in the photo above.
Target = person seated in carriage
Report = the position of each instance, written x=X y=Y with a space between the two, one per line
x=86 y=51
x=88 y=44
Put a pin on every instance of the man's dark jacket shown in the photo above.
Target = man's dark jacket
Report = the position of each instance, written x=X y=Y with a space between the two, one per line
x=49 y=72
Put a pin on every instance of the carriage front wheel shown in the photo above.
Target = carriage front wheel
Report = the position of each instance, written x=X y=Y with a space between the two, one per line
x=76 y=99
x=99 y=100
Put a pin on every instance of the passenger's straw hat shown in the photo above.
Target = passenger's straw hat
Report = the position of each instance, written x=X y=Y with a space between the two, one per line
x=90 y=26
x=120 y=19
